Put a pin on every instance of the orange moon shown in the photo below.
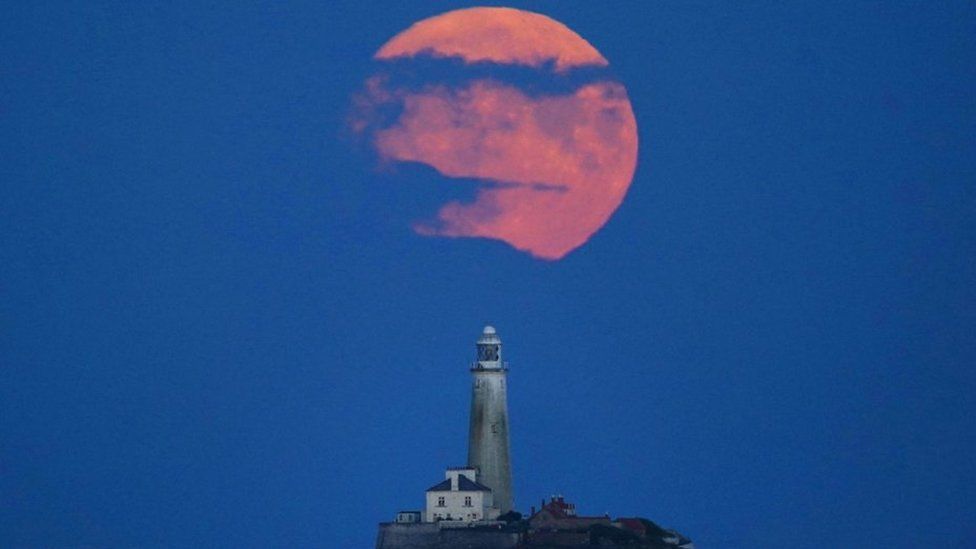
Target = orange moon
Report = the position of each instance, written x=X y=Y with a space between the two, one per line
x=556 y=165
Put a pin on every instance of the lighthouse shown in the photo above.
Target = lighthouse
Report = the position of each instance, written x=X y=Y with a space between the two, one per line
x=488 y=433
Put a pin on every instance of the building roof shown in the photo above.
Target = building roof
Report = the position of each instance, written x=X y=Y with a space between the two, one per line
x=559 y=508
x=464 y=485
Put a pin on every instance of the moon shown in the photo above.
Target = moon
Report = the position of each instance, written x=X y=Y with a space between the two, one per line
x=528 y=108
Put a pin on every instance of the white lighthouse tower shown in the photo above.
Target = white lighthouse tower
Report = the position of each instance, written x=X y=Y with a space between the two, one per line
x=488 y=434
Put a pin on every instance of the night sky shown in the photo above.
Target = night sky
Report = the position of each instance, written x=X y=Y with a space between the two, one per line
x=217 y=328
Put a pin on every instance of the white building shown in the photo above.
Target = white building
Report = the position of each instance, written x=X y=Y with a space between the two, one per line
x=460 y=498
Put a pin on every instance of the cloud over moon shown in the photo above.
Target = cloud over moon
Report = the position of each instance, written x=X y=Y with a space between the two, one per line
x=553 y=164
x=571 y=154
x=500 y=35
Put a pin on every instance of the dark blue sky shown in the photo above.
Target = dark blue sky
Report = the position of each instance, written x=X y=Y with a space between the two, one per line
x=215 y=330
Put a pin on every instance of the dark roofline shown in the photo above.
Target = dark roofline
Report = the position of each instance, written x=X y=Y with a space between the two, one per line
x=464 y=485
x=442 y=486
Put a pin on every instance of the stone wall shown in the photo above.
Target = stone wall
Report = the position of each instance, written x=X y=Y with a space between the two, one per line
x=430 y=536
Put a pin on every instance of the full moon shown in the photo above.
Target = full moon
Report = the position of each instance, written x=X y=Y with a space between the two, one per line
x=528 y=109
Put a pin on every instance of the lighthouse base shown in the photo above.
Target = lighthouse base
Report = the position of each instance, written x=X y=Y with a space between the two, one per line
x=430 y=535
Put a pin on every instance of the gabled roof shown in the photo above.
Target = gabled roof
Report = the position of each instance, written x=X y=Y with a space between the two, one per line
x=464 y=485
x=558 y=508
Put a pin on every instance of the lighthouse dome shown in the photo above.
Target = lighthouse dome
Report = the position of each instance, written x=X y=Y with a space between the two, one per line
x=489 y=336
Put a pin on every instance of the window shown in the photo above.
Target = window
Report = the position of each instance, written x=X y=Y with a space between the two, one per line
x=440 y=501
x=467 y=501
x=487 y=353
